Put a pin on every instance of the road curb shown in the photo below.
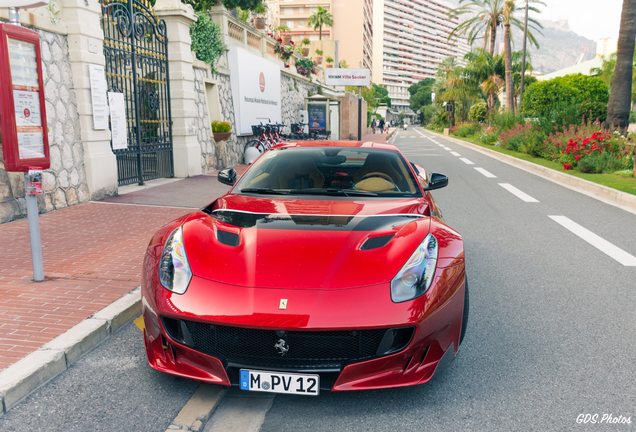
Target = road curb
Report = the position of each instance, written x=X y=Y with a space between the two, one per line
x=602 y=193
x=36 y=369
x=198 y=410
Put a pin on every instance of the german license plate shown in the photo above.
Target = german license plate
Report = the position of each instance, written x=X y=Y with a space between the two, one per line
x=280 y=382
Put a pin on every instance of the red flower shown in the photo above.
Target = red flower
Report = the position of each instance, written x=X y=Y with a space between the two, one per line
x=566 y=166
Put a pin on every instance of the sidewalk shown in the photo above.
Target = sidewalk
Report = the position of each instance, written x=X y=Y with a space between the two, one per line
x=93 y=254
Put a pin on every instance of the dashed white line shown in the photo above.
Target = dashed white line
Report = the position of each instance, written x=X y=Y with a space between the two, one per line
x=518 y=193
x=598 y=242
x=485 y=173
x=454 y=153
x=467 y=161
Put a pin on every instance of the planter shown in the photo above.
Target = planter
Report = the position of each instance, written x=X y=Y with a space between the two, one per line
x=222 y=136
x=286 y=38
x=318 y=60
x=305 y=52
x=259 y=23
x=329 y=65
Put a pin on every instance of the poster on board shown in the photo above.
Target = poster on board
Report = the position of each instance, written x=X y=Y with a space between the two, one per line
x=256 y=90
x=317 y=116
x=118 y=130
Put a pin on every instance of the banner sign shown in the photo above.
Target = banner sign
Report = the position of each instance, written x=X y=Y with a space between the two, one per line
x=348 y=77
x=256 y=90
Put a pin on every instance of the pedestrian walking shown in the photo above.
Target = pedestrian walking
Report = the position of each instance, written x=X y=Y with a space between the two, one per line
x=381 y=125
x=373 y=125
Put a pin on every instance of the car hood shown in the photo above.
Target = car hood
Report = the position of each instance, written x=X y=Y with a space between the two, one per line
x=319 y=244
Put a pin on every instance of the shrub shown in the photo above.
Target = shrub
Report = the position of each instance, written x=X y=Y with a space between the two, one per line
x=522 y=137
x=221 y=126
x=464 y=130
x=488 y=136
x=566 y=99
x=505 y=121
x=598 y=162
x=207 y=42
x=596 y=153
x=478 y=112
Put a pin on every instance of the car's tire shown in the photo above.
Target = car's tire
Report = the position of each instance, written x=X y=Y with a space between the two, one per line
x=465 y=317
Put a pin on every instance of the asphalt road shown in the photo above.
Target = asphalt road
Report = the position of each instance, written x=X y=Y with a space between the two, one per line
x=551 y=334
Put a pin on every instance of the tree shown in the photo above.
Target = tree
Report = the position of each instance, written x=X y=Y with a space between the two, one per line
x=565 y=100
x=421 y=94
x=619 y=104
x=485 y=72
x=204 y=5
x=508 y=11
x=484 y=19
x=322 y=17
x=606 y=73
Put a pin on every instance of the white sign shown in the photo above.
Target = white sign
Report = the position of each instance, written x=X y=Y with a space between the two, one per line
x=255 y=89
x=348 y=77
x=118 y=130
x=98 y=96
x=24 y=67
x=27 y=108
x=30 y=145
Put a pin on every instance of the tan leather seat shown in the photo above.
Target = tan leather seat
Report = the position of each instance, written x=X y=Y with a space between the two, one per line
x=376 y=163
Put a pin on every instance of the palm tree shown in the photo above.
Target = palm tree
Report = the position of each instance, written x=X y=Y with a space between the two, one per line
x=619 y=104
x=507 y=17
x=322 y=17
x=452 y=86
x=485 y=71
x=484 y=19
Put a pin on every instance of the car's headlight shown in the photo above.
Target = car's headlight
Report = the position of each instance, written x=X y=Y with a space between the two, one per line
x=417 y=274
x=174 y=270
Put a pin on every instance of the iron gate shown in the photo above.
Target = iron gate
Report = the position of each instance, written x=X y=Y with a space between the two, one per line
x=136 y=52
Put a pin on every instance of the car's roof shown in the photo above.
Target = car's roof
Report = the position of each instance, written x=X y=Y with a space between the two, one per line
x=325 y=143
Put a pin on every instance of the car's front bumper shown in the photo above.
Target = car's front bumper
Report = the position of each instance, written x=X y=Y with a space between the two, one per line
x=435 y=316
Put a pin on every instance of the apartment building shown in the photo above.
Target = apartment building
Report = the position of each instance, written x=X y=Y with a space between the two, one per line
x=410 y=39
x=352 y=28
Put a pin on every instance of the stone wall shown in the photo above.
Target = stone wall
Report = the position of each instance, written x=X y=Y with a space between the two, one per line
x=64 y=183
x=294 y=91
x=228 y=153
x=203 y=130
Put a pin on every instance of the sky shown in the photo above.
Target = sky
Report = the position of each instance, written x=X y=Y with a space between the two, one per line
x=593 y=19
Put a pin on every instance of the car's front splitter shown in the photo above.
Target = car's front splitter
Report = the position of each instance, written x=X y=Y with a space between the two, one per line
x=436 y=332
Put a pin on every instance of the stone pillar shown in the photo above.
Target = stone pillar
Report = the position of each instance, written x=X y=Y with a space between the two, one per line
x=185 y=146
x=85 y=46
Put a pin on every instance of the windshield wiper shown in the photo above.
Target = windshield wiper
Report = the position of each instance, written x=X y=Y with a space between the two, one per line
x=265 y=191
x=332 y=191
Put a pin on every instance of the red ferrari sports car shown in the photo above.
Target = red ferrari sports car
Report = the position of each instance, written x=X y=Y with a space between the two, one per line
x=326 y=266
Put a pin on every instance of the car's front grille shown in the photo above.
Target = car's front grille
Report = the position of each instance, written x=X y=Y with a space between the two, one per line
x=301 y=350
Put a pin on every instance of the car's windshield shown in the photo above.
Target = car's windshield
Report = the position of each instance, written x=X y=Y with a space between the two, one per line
x=336 y=171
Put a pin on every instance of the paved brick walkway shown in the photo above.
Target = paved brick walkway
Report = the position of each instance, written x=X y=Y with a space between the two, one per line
x=92 y=256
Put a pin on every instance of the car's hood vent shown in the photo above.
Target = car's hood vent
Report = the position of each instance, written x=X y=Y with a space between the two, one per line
x=228 y=238
x=376 y=242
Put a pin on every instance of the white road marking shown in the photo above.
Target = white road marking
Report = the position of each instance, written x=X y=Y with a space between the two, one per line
x=454 y=153
x=598 y=242
x=485 y=173
x=467 y=161
x=518 y=193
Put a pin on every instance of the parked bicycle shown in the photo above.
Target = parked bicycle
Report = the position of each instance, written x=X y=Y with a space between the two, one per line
x=268 y=135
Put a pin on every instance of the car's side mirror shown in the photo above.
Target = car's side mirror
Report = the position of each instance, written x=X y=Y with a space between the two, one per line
x=437 y=181
x=227 y=176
